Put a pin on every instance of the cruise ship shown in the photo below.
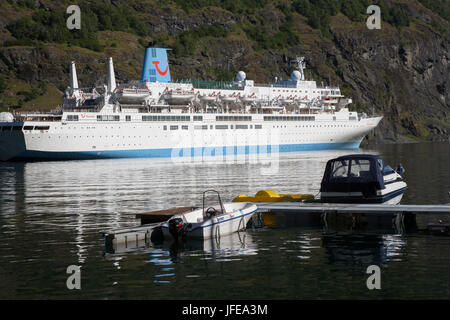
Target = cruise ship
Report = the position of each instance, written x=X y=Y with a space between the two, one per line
x=158 y=117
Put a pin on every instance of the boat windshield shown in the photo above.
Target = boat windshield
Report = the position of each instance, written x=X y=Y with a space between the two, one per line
x=385 y=169
x=353 y=173
x=339 y=169
x=212 y=207
x=360 y=168
x=356 y=168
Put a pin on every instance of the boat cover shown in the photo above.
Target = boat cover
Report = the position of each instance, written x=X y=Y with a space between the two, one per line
x=354 y=173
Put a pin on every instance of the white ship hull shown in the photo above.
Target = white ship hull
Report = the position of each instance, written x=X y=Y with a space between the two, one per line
x=161 y=118
x=92 y=139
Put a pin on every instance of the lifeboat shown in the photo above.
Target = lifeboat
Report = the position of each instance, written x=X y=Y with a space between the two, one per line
x=290 y=99
x=250 y=99
x=178 y=96
x=208 y=97
x=132 y=95
x=230 y=98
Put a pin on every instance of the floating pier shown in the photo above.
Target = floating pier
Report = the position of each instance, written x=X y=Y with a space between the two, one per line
x=162 y=215
x=305 y=207
x=288 y=214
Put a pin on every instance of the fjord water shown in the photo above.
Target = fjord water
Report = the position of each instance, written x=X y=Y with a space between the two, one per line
x=51 y=215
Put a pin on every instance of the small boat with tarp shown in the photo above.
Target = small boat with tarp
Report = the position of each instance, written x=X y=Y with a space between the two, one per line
x=361 y=178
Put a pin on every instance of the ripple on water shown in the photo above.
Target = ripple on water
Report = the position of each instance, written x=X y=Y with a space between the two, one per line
x=51 y=214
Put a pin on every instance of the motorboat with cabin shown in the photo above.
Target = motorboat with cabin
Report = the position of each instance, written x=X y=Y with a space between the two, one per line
x=361 y=178
x=209 y=221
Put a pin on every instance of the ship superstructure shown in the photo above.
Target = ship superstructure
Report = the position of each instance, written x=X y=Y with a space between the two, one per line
x=158 y=117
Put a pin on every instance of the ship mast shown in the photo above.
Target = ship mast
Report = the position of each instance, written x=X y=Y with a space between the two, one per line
x=74 y=80
x=111 y=76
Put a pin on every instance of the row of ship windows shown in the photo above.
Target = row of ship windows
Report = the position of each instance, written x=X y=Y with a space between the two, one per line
x=140 y=137
x=183 y=127
x=291 y=118
x=11 y=128
x=200 y=118
x=306 y=91
x=233 y=118
x=321 y=126
x=171 y=118
x=75 y=117
x=19 y=128
x=218 y=127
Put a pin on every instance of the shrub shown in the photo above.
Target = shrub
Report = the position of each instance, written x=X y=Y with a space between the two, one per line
x=3 y=84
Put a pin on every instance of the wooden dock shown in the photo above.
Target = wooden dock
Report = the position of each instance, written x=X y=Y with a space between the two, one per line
x=162 y=215
x=292 y=214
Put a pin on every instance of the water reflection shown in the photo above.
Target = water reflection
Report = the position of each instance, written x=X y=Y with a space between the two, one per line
x=164 y=256
x=51 y=214
x=219 y=248
x=68 y=202
x=350 y=249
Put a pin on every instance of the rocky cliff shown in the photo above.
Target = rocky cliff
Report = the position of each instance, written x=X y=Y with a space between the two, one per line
x=400 y=71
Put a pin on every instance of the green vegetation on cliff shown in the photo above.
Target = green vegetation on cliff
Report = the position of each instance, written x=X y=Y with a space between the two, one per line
x=399 y=71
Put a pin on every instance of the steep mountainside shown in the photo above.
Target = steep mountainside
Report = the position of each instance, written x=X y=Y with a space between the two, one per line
x=400 y=71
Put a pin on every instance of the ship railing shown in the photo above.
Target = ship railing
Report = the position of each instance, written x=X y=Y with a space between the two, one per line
x=81 y=109
x=133 y=90
x=203 y=84
x=274 y=85
x=328 y=88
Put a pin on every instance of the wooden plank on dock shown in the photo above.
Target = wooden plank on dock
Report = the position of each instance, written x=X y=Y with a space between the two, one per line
x=162 y=215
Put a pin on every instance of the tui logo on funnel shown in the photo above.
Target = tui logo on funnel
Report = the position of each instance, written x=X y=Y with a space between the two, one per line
x=156 y=66
x=163 y=73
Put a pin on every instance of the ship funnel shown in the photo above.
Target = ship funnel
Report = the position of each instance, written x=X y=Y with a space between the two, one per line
x=156 y=66
x=73 y=77
x=111 y=76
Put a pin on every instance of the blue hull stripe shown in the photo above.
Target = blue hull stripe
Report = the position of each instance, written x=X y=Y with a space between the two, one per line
x=185 y=152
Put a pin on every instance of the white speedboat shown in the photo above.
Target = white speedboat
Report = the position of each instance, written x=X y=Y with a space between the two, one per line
x=361 y=178
x=209 y=221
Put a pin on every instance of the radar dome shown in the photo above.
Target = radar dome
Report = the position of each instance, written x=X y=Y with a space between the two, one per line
x=296 y=75
x=6 y=117
x=240 y=76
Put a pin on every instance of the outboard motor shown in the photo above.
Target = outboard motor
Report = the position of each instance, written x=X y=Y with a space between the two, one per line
x=400 y=169
x=177 y=228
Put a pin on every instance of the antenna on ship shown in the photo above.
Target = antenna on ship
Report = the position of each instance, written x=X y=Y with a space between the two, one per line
x=111 y=76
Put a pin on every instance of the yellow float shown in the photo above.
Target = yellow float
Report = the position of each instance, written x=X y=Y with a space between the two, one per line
x=273 y=196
